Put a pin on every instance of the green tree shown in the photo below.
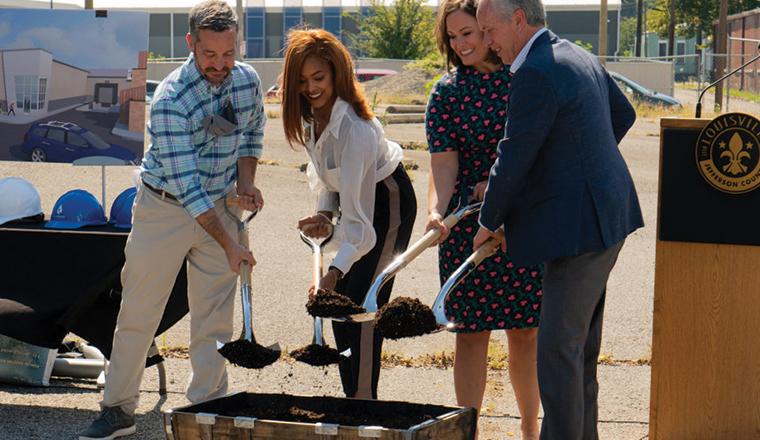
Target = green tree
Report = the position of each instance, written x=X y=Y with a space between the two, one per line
x=627 y=36
x=403 y=30
x=692 y=16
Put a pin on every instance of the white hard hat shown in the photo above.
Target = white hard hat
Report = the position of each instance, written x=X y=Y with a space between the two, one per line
x=18 y=199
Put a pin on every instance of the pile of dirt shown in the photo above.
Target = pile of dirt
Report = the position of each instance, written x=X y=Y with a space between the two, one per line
x=347 y=412
x=331 y=304
x=404 y=318
x=247 y=354
x=316 y=355
x=408 y=86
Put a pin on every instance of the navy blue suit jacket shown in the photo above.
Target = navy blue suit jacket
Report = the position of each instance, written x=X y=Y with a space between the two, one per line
x=560 y=185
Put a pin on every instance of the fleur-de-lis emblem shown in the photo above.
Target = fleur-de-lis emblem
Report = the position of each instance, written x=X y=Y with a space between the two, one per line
x=737 y=152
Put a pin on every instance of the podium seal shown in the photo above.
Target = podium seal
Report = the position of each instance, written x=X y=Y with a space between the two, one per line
x=728 y=153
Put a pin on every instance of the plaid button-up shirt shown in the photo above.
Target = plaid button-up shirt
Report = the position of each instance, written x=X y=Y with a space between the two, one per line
x=184 y=159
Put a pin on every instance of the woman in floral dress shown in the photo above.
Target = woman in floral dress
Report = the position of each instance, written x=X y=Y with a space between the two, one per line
x=465 y=120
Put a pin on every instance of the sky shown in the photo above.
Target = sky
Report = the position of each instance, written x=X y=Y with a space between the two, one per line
x=76 y=37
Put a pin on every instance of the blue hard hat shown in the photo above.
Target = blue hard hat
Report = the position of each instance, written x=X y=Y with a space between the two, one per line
x=121 y=209
x=75 y=209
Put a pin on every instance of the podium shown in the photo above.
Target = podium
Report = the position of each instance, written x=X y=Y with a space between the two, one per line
x=706 y=327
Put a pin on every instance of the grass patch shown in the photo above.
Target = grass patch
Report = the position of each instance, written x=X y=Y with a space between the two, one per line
x=745 y=95
x=273 y=114
x=657 y=112
x=174 y=352
x=271 y=162
x=414 y=145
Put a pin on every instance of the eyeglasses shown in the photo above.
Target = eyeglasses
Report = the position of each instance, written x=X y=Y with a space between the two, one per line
x=222 y=124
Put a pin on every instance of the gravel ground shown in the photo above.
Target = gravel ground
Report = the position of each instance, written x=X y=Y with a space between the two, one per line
x=66 y=407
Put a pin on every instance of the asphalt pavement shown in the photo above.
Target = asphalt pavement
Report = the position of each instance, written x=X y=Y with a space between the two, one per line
x=280 y=282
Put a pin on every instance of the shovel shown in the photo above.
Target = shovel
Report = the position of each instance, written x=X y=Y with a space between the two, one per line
x=246 y=352
x=370 y=300
x=466 y=268
x=317 y=353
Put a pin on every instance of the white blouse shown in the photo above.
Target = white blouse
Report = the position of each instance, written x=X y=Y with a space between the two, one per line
x=346 y=163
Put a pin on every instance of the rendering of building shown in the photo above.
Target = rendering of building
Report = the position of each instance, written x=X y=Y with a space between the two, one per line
x=36 y=83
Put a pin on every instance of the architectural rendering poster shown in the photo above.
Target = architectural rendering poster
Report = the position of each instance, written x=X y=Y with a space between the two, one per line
x=72 y=85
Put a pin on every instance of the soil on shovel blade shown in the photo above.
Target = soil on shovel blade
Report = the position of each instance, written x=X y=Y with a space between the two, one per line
x=331 y=304
x=247 y=354
x=405 y=317
x=316 y=355
x=315 y=409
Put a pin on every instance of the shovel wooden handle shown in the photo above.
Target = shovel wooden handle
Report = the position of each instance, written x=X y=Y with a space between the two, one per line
x=483 y=252
x=429 y=238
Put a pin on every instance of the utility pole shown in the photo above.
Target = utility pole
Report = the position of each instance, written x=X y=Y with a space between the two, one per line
x=672 y=29
x=603 y=31
x=241 y=29
x=720 y=48
x=639 y=20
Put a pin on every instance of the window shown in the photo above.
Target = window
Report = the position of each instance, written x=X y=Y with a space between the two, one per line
x=180 y=28
x=159 y=40
x=28 y=89
x=57 y=135
x=663 y=49
x=331 y=20
x=75 y=139
x=256 y=33
x=42 y=88
x=680 y=50
x=292 y=18
x=95 y=141
x=39 y=131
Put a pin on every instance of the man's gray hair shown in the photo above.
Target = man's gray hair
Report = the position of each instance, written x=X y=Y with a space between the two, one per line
x=534 y=10
x=215 y=15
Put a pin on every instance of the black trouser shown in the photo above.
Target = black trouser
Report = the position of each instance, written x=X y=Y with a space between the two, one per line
x=395 y=210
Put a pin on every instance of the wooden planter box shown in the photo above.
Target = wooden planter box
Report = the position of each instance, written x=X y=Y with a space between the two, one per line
x=250 y=416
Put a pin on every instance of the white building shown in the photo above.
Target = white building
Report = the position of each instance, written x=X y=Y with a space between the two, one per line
x=35 y=82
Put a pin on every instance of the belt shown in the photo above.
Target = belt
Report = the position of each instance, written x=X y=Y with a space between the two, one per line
x=163 y=194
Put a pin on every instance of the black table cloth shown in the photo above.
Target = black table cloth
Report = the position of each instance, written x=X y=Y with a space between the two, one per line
x=53 y=282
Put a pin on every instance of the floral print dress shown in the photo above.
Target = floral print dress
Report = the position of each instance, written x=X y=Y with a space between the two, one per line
x=466 y=113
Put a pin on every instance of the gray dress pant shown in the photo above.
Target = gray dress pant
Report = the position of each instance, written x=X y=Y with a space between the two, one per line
x=569 y=339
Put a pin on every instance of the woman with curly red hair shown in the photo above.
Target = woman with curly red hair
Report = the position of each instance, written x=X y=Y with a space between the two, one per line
x=357 y=174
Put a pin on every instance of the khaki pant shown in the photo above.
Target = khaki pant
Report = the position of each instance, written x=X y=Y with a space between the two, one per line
x=163 y=235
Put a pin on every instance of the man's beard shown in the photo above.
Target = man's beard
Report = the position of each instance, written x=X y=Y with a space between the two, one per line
x=209 y=70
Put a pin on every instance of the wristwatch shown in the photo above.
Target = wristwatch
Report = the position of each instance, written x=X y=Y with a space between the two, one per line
x=340 y=273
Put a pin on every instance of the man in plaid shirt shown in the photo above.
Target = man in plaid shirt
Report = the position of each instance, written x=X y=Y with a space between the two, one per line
x=206 y=128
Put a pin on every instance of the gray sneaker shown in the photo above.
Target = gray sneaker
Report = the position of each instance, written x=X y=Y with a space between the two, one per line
x=113 y=422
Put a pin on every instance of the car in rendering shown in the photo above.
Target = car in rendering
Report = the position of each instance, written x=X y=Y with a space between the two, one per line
x=56 y=141
x=643 y=95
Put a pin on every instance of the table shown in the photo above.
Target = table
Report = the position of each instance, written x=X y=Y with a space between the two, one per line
x=53 y=282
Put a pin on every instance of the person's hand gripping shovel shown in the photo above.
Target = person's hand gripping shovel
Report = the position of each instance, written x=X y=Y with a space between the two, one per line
x=406 y=317
x=246 y=352
x=318 y=353
x=465 y=269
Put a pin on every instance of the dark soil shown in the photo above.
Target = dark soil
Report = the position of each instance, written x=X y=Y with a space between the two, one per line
x=348 y=412
x=405 y=317
x=317 y=355
x=331 y=304
x=247 y=354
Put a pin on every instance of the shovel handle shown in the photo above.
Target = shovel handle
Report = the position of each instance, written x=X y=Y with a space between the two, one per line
x=245 y=272
x=484 y=251
x=428 y=239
